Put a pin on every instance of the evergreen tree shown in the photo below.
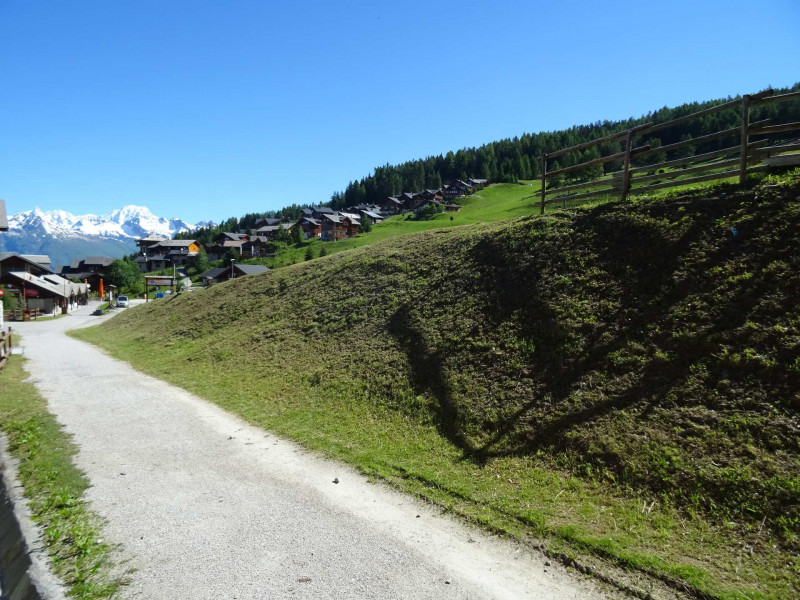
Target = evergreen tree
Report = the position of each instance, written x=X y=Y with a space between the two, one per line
x=309 y=253
x=297 y=234
x=365 y=225
x=281 y=235
x=323 y=251
x=199 y=262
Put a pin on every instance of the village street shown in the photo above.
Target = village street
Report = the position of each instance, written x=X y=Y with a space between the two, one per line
x=204 y=506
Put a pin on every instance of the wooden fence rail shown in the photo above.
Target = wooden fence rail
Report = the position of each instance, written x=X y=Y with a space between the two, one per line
x=26 y=314
x=746 y=156
x=5 y=347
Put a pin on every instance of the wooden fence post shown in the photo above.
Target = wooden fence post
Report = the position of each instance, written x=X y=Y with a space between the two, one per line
x=745 y=138
x=544 y=179
x=626 y=175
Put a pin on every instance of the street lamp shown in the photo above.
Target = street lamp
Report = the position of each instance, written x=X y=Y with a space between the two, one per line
x=233 y=260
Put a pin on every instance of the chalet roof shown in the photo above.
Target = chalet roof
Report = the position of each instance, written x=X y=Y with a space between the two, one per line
x=333 y=218
x=311 y=221
x=102 y=261
x=256 y=239
x=406 y=196
x=269 y=221
x=268 y=228
x=233 y=236
x=307 y=212
x=393 y=199
x=250 y=269
x=323 y=210
x=26 y=258
x=232 y=244
x=59 y=281
x=180 y=252
x=213 y=273
x=176 y=243
x=41 y=283
x=434 y=192
x=39 y=259
x=3 y=219
x=140 y=259
x=372 y=215
x=152 y=238
x=479 y=181
x=157 y=257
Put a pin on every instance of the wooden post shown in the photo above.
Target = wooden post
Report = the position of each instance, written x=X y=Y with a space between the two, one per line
x=745 y=138
x=626 y=173
x=544 y=179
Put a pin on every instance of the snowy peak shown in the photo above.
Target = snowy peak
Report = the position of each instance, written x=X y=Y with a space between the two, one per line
x=127 y=223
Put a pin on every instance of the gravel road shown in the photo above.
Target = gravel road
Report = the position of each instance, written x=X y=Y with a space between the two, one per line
x=203 y=505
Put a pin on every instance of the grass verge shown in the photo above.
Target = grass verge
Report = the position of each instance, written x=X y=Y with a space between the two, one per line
x=54 y=487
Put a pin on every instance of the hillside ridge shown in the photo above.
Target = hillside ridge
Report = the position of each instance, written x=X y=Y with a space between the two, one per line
x=640 y=352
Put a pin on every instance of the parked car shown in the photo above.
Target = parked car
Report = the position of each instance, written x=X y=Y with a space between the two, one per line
x=122 y=302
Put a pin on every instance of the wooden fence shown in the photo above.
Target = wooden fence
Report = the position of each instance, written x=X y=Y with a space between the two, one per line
x=26 y=314
x=5 y=347
x=748 y=156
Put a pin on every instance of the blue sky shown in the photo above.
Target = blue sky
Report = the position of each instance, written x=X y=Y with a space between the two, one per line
x=206 y=110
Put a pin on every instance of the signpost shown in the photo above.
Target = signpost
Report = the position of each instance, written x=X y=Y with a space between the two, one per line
x=157 y=280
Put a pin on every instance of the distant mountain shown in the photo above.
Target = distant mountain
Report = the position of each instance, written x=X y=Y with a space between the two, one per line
x=63 y=236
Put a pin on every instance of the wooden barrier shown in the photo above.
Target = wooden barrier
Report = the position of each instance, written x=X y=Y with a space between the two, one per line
x=746 y=156
x=26 y=314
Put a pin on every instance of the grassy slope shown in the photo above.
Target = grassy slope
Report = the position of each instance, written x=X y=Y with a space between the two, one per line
x=54 y=487
x=620 y=381
x=497 y=202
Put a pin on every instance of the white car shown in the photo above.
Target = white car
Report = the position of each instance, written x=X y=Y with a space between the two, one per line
x=122 y=302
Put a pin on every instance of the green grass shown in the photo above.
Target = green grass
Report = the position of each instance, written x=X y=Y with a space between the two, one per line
x=54 y=487
x=616 y=382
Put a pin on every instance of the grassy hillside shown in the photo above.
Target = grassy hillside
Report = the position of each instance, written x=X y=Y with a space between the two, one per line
x=619 y=382
x=497 y=202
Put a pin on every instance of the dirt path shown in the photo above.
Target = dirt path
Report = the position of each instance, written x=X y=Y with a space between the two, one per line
x=206 y=506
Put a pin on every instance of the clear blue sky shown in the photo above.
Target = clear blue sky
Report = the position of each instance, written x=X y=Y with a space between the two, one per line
x=206 y=110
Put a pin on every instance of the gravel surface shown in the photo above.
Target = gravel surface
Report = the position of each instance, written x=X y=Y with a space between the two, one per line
x=205 y=506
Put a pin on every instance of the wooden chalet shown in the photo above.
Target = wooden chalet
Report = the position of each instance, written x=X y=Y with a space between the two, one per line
x=220 y=274
x=146 y=243
x=228 y=236
x=478 y=184
x=255 y=247
x=391 y=205
x=320 y=211
x=372 y=216
x=352 y=223
x=333 y=228
x=456 y=190
x=270 y=232
x=312 y=228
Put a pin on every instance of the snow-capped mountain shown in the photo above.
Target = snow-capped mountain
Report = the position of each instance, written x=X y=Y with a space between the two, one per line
x=64 y=236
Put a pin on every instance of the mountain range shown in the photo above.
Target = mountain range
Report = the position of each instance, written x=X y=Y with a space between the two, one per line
x=63 y=236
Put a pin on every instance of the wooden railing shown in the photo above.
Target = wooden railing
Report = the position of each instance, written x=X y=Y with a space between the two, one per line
x=748 y=155
x=5 y=347
x=26 y=314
